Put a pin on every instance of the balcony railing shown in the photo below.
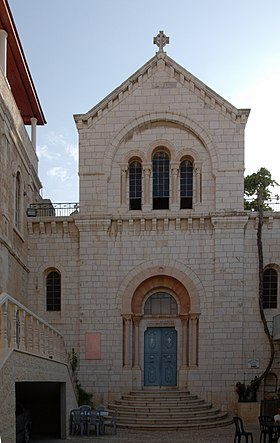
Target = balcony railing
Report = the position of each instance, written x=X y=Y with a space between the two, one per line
x=273 y=204
x=23 y=330
x=49 y=209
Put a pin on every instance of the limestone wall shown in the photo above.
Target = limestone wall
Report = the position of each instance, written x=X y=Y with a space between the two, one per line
x=215 y=257
x=22 y=367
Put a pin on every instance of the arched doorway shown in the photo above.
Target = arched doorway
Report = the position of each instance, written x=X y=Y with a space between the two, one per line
x=160 y=343
x=161 y=333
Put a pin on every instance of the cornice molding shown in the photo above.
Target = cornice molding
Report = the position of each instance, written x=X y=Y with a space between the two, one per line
x=161 y=61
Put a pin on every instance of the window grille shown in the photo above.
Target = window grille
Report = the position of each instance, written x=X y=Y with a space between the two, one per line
x=53 y=284
x=270 y=282
x=160 y=180
x=135 y=185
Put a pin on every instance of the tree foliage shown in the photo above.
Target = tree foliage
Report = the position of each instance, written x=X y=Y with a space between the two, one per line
x=258 y=185
x=257 y=189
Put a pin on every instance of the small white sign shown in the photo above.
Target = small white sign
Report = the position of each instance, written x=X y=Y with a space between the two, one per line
x=253 y=363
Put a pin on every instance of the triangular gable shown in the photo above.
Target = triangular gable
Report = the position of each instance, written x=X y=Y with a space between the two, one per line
x=180 y=74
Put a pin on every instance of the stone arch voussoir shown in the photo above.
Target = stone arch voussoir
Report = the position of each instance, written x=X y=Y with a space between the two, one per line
x=181 y=120
x=159 y=273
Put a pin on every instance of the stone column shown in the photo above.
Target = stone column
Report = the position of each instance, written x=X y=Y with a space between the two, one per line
x=123 y=184
x=174 y=183
x=136 y=321
x=13 y=316
x=29 y=333
x=22 y=345
x=33 y=132
x=197 y=168
x=42 y=339
x=4 y=325
x=185 y=339
x=126 y=347
x=147 y=168
x=194 y=339
x=3 y=51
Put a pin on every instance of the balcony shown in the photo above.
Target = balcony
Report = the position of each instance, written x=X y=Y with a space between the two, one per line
x=48 y=209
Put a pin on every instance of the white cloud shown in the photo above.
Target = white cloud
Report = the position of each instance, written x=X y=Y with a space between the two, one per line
x=45 y=152
x=72 y=150
x=58 y=172
x=58 y=140
x=262 y=146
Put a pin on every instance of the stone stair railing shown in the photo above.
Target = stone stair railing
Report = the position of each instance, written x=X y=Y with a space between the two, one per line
x=23 y=330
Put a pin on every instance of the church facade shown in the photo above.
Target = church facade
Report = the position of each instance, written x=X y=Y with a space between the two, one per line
x=152 y=281
x=156 y=276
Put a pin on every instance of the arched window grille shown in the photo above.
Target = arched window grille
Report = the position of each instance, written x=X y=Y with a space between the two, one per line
x=186 y=184
x=161 y=303
x=135 y=185
x=270 y=283
x=53 y=287
x=160 y=180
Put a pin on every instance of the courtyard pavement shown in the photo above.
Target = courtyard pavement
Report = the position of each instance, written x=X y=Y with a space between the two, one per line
x=217 y=435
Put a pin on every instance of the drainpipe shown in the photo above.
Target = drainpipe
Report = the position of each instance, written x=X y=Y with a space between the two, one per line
x=3 y=51
x=33 y=131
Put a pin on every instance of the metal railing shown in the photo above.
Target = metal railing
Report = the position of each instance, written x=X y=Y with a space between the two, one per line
x=273 y=204
x=49 y=209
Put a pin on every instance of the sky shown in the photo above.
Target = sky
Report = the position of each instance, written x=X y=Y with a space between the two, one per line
x=79 y=51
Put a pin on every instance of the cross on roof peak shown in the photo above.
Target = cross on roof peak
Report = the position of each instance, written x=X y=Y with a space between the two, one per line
x=161 y=40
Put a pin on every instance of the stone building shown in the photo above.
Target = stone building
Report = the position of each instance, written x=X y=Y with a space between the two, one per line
x=153 y=280
x=33 y=359
x=158 y=272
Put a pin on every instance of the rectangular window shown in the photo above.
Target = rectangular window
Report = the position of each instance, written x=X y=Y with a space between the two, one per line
x=160 y=181
x=270 y=283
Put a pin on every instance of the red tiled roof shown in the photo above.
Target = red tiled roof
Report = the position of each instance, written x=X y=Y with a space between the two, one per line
x=18 y=73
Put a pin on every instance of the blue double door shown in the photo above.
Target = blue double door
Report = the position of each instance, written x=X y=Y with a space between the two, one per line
x=160 y=359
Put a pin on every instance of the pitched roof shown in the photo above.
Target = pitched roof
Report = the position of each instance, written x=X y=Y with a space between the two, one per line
x=18 y=73
x=179 y=74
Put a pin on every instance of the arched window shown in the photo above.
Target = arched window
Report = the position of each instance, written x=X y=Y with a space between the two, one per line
x=135 y=185
x=161 y=303
x=53 y=287
x=186 y=184
x=160 y=180
x=17 y=200
x=270 y=282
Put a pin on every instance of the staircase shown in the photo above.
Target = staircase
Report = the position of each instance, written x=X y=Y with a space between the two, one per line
x=167 y=410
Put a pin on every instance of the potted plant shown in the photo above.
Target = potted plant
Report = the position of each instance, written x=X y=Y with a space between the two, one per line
x=248 y=406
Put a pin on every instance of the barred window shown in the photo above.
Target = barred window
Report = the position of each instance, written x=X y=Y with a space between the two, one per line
x=270 y=282
x=17 y=200
x=186 y=184
x=53 y=286
x=161 y=303
x=160 y=180
x=135 y=185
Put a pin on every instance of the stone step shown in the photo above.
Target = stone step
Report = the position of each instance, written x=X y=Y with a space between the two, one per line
x=160 y=404
x=165 y=414
x=179 y=427
x=166 y=410
x=174 y=418
x=173 y=400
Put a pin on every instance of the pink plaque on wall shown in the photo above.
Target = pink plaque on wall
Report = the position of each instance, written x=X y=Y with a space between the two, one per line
x=93 y=346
